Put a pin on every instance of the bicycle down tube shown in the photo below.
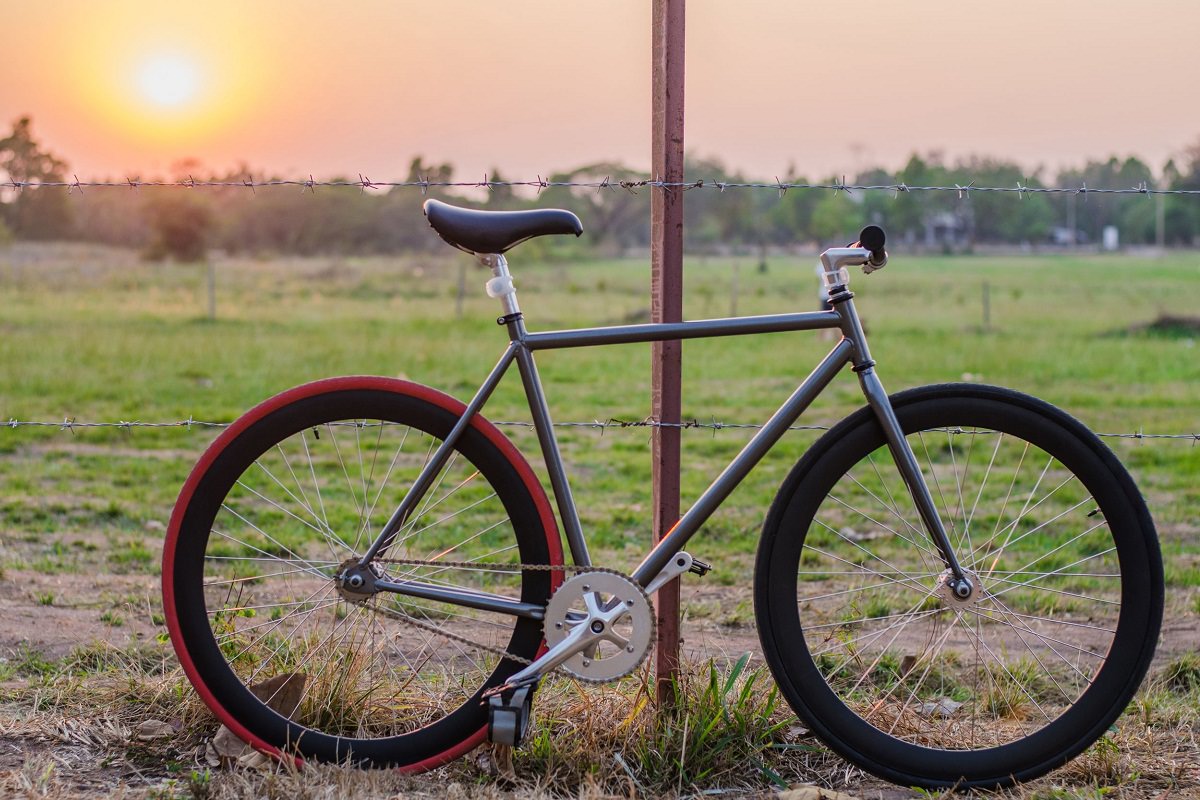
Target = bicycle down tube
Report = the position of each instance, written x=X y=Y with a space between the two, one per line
x=851 y=349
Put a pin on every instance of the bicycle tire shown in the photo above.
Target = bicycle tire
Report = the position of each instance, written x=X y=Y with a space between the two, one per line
x=305 y=480
x=885 y=667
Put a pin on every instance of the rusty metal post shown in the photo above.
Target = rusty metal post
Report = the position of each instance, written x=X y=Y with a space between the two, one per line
x=666 y=305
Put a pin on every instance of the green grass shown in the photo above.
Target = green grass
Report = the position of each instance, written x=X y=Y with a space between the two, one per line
x=97 y=335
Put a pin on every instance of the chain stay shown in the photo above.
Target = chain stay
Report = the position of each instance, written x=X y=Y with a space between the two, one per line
x=499 y=651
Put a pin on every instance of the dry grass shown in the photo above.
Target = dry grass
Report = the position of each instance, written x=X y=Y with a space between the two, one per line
x=107 y=722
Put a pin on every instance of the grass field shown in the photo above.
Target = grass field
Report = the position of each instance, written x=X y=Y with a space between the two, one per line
x=95 y=334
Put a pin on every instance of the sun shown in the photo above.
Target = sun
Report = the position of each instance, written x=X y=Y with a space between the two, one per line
x=168 y=81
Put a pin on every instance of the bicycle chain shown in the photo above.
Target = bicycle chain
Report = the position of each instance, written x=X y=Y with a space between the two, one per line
x=413 y=562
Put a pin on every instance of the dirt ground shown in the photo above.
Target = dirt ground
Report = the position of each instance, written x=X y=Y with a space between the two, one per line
x=49 y=751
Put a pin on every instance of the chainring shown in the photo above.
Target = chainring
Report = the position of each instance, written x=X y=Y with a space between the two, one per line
x=624 y=645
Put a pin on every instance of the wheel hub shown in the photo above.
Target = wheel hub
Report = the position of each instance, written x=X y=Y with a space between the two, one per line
x=960 y=594
x=355 y=583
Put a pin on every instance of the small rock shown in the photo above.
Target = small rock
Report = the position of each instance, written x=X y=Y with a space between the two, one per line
x=254 y=760
x=282 y=694
x=154 y=525
x=486 y=764
x=227 y=746
x=854 y=536
x=798 y=732
x=153 y=729
x=807 y=792
x=942 y=708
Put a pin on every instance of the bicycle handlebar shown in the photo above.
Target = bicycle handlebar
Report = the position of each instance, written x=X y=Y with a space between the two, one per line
x=873 y=238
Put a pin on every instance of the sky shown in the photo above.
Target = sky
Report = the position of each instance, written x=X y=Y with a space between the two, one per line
x=528 y=87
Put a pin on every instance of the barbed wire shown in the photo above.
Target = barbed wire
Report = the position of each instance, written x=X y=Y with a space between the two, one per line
x=70 y=424
x=540 y=184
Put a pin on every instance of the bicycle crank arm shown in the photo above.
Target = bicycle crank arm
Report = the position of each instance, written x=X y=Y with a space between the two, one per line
x=581 y=638
x=598 y=627
x=681 y=563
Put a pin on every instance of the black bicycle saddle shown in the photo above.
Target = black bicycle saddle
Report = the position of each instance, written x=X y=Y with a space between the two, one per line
x=496 y=231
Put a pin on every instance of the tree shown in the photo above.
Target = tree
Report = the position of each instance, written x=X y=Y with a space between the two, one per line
x=500 y=198
x=719 y=218
x=34 y=213
x=182 y=223
x=1183 y=214
x=614 y=218
x=996 y=217
x=835 y=219
x=1094 y=212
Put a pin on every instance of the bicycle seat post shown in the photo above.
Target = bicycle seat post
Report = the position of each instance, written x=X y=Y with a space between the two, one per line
x=500 y=285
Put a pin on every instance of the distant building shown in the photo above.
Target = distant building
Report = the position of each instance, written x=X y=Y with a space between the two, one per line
x=946 y=229
x=1061 y=236
x=1110 y=239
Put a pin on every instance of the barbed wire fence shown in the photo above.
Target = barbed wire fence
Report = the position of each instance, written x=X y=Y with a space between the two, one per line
x=70 y=424
x=963 y=190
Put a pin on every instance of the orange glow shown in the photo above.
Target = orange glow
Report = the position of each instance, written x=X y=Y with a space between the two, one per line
x=533 y=86
x=163 y=80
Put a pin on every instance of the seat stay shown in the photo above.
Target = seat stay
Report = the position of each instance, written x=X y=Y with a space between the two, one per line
x=437 y=461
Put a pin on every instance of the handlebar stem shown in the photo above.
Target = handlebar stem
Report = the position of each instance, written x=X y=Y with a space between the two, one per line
x=834 y=263
x=836 y=260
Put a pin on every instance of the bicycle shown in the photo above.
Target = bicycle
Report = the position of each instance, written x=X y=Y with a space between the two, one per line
x=957 y=585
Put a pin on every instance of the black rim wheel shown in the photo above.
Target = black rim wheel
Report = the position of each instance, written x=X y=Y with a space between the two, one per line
x=913 y=684
x=267 y=637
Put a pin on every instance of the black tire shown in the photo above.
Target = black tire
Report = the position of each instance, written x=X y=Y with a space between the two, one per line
x=916 y=687
x=295 y=488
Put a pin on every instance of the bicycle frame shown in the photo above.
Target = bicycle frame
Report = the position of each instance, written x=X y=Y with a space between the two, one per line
x=851 y=349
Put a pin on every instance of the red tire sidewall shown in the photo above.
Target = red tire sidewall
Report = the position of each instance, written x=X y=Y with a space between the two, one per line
x=328 y=386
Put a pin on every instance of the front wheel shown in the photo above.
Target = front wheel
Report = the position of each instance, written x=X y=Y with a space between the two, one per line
x=294 y=492
x=881 y=659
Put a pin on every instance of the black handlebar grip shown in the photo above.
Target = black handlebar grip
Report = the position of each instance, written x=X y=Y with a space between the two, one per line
x=872 y=238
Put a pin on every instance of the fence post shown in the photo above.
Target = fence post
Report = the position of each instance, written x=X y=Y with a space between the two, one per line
x=666 y=305
x=212 y=290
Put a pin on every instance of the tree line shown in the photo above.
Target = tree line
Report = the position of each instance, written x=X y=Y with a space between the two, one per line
x=187 y=223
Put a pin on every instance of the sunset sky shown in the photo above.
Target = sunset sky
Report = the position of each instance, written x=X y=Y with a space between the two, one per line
x=533 y=86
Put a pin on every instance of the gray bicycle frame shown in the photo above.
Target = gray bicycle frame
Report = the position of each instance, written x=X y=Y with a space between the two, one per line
x=851 y=349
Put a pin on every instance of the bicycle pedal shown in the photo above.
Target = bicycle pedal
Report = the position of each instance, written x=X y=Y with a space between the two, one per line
x=699 y=567
x=509 y=714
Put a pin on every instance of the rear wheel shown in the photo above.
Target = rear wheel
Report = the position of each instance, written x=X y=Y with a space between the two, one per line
x=299 y=487
x=886 y=664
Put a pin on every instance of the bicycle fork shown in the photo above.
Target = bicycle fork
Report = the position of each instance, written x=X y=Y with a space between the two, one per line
x=957 y=581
